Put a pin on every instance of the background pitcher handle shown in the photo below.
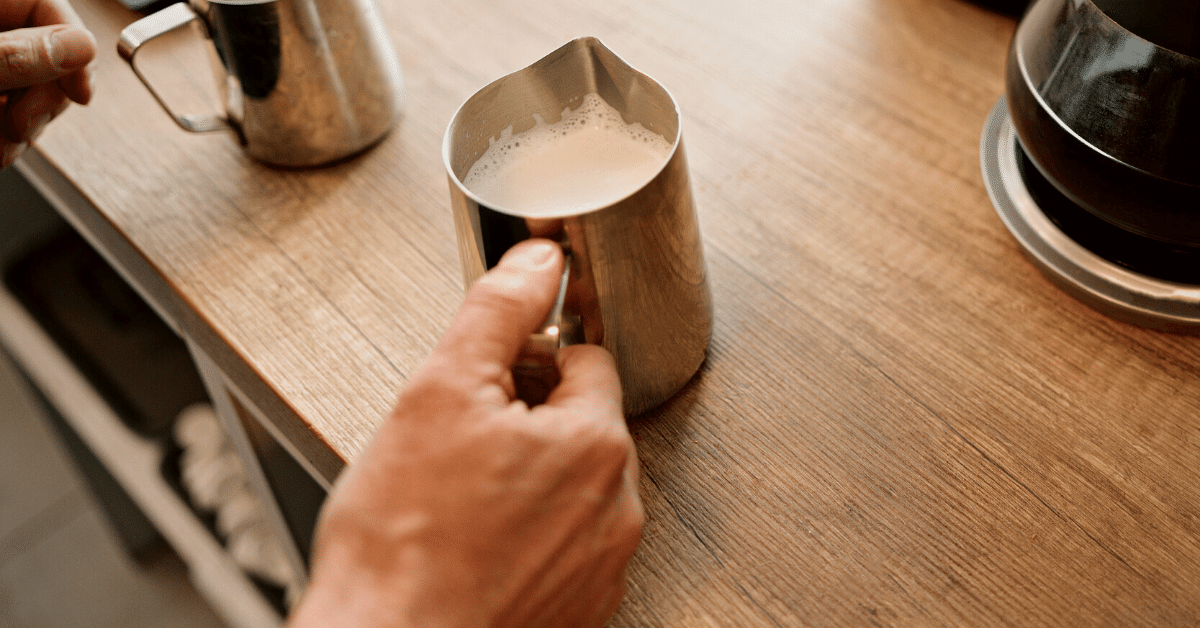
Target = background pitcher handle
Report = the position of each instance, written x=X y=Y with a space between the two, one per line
x=154 y=25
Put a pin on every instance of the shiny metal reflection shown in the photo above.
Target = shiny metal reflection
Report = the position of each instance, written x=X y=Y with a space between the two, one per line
x=304 y=82
x=638 y=283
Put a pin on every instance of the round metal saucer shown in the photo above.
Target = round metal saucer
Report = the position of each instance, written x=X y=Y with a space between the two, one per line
x=1101 y=284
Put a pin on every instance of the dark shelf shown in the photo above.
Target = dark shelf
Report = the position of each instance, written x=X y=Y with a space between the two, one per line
x=137 y=363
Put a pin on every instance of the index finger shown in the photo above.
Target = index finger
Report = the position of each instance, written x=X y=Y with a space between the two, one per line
x=36 y=55
x=16 y=14
x=24 y=13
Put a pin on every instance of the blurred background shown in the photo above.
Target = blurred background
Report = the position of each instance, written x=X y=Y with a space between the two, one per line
x=62 y=562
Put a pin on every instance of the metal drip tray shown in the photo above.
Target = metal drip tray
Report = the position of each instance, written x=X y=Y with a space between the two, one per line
x=1100 y=283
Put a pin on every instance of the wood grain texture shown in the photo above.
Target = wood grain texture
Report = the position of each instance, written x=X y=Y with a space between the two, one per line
x=901 y=422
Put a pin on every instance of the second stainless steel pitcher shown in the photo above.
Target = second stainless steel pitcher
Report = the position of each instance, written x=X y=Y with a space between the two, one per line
x=304 y=82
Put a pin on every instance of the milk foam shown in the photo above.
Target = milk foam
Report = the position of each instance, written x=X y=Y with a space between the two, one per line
x=588 y=159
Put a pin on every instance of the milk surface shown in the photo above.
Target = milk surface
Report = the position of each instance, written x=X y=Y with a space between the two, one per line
x=588 y=159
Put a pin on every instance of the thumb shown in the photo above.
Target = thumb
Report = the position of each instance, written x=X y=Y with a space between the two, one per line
x=502 y=309
x=32 y=56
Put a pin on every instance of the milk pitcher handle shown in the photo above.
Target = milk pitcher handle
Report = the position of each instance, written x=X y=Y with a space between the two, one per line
x=535 y=372
x=154 y=25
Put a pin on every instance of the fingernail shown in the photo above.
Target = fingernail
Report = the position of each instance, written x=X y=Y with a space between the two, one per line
x=531 y=256
x=70 y=48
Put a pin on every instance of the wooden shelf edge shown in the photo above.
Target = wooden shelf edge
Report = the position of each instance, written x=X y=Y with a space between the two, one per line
x=80 y=214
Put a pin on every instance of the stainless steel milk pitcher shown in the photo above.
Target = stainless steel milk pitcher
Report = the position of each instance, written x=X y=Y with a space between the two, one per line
x=304 y=82
x=637 y=282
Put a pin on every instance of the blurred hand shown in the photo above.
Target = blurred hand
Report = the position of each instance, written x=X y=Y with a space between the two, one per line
x=469 y=508
x=44 y=57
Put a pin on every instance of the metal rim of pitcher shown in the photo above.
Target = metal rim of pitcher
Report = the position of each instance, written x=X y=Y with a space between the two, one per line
x=590 y=42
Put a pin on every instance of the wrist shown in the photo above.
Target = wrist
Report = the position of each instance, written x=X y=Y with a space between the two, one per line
x=346 y=597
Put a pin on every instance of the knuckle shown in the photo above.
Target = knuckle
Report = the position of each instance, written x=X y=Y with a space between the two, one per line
x=434 y=391
x=631 y=531
x=626 y=529
x=19 y=57
x=615 y=439
x=633 y=520
x=616 y=445
x=609 y=448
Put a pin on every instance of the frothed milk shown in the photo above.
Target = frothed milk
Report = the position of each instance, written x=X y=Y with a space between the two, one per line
x=590 y=158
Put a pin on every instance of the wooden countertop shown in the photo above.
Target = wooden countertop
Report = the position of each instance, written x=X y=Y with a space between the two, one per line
x=901 y=421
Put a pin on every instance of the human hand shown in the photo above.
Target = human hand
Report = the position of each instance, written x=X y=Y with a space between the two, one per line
x=469 y=508
x=44 y=54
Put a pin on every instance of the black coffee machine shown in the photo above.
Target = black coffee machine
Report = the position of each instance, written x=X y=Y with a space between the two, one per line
x=1008 y=7
x=1092 y=158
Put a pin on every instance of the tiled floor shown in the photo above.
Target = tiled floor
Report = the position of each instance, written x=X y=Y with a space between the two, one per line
x=60 y=564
